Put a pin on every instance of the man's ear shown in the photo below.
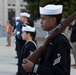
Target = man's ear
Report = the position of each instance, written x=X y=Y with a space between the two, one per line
x=53 y=19
x=29 y=34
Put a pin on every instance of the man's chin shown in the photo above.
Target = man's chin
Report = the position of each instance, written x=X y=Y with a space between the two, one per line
x=44 y=29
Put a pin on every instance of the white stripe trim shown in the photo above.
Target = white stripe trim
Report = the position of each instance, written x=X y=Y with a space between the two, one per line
x=35 y=68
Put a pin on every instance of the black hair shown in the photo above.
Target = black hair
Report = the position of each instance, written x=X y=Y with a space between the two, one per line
x=33 y=34
x=8 y=21
x=58 y=18
x=31 y=22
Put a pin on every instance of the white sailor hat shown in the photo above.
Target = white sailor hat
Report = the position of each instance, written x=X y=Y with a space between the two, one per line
x=28 y=29
x=25 y=14
x=17 y=18
x=51 y=9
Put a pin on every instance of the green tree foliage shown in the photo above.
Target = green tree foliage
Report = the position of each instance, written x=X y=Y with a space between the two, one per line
x=69 y=6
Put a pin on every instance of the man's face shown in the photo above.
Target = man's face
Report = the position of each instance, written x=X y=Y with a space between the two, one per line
x=46 y=22
x=23 y=19
x=24 y=35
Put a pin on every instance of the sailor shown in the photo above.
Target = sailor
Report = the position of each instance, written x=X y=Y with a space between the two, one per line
x=56 y=58
x=28 y=34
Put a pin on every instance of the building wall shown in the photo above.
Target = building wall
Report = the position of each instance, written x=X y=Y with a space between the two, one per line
x=1 y=12
x=4 y=9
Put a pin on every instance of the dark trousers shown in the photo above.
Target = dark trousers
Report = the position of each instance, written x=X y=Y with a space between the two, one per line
x=20 y=45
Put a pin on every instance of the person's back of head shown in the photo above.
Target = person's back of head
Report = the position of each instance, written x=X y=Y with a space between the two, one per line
x=31 y=22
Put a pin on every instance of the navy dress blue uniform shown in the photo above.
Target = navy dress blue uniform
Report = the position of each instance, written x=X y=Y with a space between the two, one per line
x=56 y=59
x=28 y=48
x=18 y=28
x=19 y=42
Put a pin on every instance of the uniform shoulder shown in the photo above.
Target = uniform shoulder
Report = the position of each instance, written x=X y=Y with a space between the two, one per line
x=61 y=38
x=32 y=43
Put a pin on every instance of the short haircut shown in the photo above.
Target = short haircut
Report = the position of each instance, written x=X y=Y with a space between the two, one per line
x=33 y=34
x=58 y=18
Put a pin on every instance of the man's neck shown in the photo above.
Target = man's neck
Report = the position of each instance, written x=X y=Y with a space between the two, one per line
x=51 y=29
x=25 y=22
x=29 y=39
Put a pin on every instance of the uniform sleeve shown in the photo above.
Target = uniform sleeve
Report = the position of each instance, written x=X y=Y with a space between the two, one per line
x=61 y=59
x=56 y=62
